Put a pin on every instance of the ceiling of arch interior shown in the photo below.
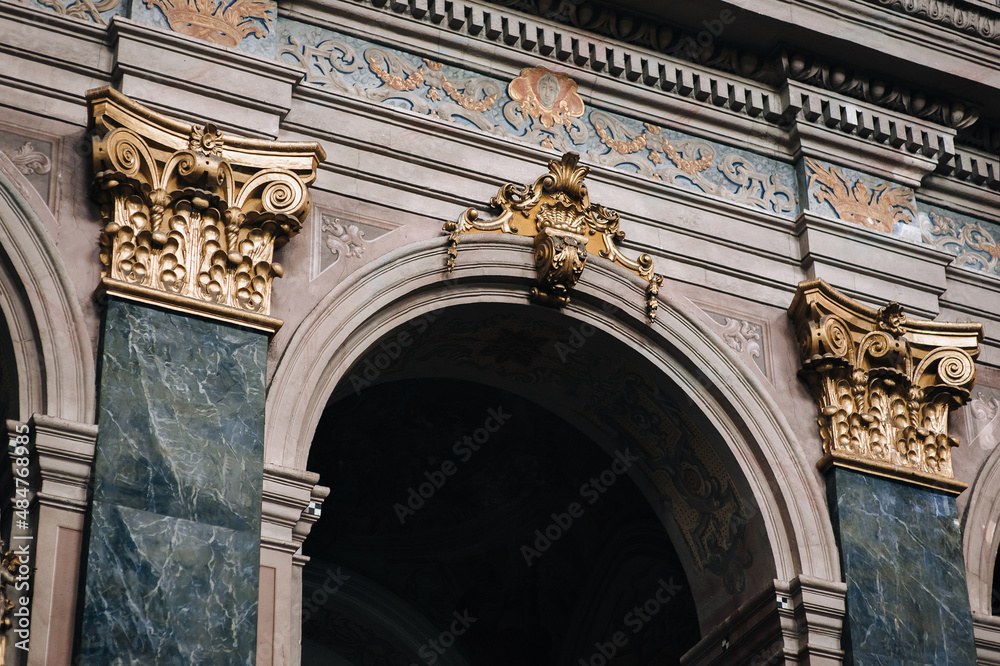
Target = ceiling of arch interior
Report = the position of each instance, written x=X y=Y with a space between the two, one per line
x=450 y=497
x=618 y=400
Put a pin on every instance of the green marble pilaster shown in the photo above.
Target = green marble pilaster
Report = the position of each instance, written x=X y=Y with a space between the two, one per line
x=901 y=555
x=172 y=552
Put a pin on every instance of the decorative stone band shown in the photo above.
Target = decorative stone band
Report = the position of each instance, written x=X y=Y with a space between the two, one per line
x=852 y=122
x=556 y=211
x=192 y=218
x=884 y=384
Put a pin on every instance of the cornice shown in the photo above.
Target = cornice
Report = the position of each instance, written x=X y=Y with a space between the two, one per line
x=898 y=147
x=878 y=90
x=192 y=47
x=888 y=129
x=962 y=196
x=63 y=24
x=975 y=19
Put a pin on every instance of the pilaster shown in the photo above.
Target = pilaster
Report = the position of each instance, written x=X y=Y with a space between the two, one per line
x=65 y=452
x=291 y=498
x=191 y=221
x=884 y=386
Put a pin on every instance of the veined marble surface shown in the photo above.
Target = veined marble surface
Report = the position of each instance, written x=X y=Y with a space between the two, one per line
x=173 y=553
x=167 y=591
x=901 y=553
x=181 y=417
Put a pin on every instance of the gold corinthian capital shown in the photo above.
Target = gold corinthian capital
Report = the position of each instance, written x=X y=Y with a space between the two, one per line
x=191 y=216
x=884 y=384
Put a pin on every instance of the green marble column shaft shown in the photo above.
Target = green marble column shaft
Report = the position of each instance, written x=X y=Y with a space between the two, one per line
x=901 y=555
x=173 y=546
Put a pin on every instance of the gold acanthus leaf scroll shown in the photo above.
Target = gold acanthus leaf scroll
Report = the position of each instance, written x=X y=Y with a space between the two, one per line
x=192 y=217
x=880 y=207
x=224 y=23
x=556 y=211
x=884 y=384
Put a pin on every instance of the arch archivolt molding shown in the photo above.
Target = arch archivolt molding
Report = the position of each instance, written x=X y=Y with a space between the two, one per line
x=56 y=367
x=496 y=268
x=980 y=535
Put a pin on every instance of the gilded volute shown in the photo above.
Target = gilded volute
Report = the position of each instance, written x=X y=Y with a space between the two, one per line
x=192 y=216
x=884 y=384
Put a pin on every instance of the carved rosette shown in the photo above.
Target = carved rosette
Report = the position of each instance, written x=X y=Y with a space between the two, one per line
x=884 y=384
x=192 y=217
x=556 y=211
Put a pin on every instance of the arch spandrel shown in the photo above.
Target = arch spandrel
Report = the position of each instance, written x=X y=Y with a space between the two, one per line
x=495 y=269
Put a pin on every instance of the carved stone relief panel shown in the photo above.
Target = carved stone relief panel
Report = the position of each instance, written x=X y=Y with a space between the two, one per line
x=860 y=199
x=973 y=242
x=33 y=157
x=339 y=235
x=744 y=336
x=982 y=418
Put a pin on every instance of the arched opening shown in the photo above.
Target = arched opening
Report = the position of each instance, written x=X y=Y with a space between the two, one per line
x=995 y=589
x=520 y=530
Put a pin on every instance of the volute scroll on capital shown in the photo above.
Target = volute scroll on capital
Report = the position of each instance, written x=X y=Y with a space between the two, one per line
x=192 y=216
x=884 y=384
x=557 y=212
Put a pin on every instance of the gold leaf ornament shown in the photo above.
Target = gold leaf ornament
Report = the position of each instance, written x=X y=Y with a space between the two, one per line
x=547 y=96
x=884 y=384
x=567 y=228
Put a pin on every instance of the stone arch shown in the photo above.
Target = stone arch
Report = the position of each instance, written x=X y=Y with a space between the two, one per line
x=55 y=361
x=412 y=281
x=980 y=537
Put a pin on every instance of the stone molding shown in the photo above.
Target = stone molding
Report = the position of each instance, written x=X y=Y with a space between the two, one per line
x=65 y=452
x=192 y=216
x=987 y=631
x=880 y=91
x=954 y=14
x=974 y=166
x=872 y=265
x=787 y=622
x=865 y=137
x=309 y=516
x=495 y=268
x=38 y=294
x=288 y=494
x=820 y=607
x=193 y=80
x=980 y=537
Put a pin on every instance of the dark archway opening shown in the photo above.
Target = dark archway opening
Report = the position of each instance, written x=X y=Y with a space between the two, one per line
x=469 y=525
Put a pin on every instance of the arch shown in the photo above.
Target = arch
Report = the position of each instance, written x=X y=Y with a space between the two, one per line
x=980 y=538
x=55 y=359
x=499 y=268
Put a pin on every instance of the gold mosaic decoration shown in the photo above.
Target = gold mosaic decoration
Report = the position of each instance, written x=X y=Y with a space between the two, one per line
x=556 y=211
x=192 y=217
x=884 y=384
